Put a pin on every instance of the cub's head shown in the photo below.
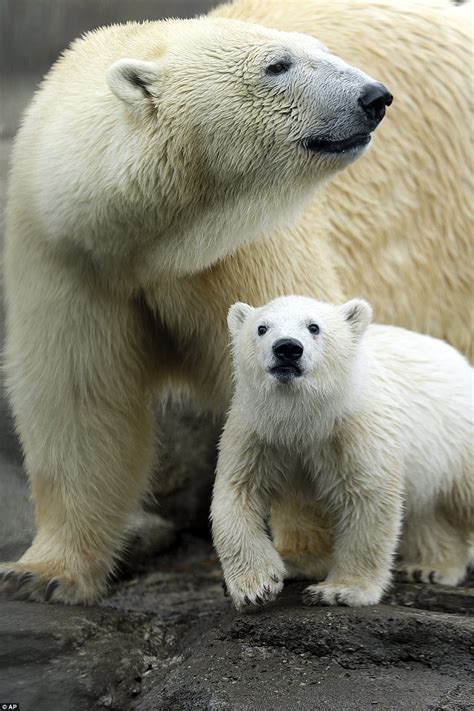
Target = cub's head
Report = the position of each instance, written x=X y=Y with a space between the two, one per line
x=242 y=117
x=295 y=343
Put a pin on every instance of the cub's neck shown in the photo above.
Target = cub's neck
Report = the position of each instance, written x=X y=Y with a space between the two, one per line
x=299 y=413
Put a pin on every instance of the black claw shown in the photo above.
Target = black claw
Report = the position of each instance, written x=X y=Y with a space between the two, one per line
x=9 y=575
x=431 y=577
x=247 y=600
x=275 y=578
x=50 y=588
x=224 y=588
x=340 y=601
x=23 y=579
x=417 y=576
x=311 y=598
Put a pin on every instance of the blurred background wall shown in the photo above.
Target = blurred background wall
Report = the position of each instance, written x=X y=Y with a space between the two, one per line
x=34 y=32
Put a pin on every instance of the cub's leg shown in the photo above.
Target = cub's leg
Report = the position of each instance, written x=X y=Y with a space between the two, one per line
x=253 y=569
x=438 y=533
x=76 y=367
x=366 y=498
x=433 y=549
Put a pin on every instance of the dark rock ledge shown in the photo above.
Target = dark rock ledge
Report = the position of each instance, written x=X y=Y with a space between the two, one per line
x=167 y=639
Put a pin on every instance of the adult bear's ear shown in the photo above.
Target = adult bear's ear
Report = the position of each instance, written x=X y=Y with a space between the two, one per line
x=134 y=81
x=358 y=313
x=237 y=314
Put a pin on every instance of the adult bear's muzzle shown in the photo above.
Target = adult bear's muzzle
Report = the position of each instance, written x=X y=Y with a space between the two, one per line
x=348 y=106
x=373 y=100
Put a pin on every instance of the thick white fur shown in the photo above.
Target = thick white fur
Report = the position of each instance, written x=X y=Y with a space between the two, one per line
x=379 y=420
x=157 y=179
x=149 y=153
x=403 y=238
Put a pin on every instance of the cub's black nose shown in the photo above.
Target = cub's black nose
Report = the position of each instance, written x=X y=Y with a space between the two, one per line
x=373 y=100
x=288 y=349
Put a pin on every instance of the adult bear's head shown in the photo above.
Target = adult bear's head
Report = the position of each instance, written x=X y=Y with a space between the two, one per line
x=244 y=118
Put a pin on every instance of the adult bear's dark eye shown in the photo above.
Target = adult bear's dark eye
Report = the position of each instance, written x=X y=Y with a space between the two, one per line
x=278 y=67
x=261 y=330
x=313 y=328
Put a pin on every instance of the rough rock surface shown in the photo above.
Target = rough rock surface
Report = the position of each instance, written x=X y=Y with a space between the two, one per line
x=168 y=639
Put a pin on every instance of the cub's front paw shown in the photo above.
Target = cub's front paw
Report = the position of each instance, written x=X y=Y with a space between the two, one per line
x=350 y=594
x=256 y=586
x=41 y=582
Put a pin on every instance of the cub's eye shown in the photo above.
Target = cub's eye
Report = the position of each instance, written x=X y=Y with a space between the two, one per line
x=261 y=330
x=313 y=328
x=278 y=68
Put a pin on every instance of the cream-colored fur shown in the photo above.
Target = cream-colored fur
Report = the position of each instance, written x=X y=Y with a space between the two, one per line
x=403 y=238
x=149 y=163
x=150 y=152
x=364 y=424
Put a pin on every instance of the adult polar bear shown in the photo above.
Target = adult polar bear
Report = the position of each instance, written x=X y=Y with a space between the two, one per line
x=95 y=319
x=403 y=238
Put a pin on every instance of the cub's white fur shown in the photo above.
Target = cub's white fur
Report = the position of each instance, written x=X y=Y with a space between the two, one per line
x=365 y=436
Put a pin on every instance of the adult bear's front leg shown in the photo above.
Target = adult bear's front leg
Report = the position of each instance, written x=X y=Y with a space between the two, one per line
x=76 y=363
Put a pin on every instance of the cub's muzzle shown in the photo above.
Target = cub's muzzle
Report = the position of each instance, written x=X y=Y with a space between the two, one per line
x=287 y=349
x=287 y=352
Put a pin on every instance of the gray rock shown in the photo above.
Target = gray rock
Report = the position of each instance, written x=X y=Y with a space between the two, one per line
x=293 y=658
x=54 y=657
x=168 y=639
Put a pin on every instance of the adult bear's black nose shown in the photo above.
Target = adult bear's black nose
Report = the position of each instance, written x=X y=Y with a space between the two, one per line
x=373 y=100
x=288 y=349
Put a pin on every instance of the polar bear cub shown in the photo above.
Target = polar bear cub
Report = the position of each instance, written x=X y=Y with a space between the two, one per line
x=344 y=441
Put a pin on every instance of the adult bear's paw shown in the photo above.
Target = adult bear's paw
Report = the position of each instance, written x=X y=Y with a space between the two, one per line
x=44 y=582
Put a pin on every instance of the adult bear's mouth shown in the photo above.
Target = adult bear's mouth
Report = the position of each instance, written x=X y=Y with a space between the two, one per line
x=323 y=145
x=284 y=372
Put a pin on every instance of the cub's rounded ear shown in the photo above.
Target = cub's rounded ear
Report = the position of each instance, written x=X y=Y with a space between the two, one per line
x=237 y=314
x=358 y=313
x=134 y=81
